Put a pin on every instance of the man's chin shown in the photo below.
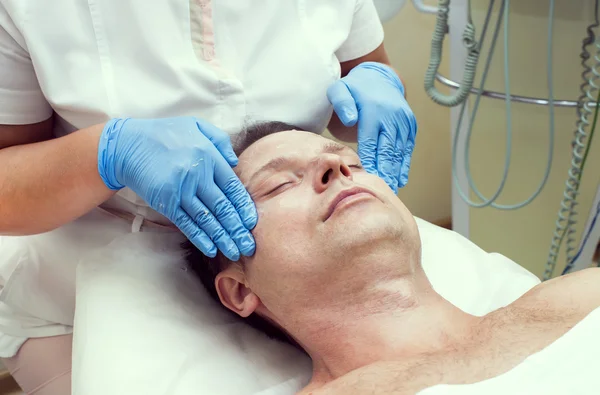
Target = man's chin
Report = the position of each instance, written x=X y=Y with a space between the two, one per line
x=368 y=223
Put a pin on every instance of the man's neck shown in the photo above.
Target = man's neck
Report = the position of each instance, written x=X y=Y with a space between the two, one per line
x=397 y=320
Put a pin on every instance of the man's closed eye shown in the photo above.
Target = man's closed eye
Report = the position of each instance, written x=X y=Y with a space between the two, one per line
x=279 y=187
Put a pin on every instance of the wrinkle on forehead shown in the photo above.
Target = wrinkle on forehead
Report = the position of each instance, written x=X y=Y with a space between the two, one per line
x=259 y=149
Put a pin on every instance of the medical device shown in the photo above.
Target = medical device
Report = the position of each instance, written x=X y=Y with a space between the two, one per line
x=587 y=115
x=460 y=96
x=567 y=215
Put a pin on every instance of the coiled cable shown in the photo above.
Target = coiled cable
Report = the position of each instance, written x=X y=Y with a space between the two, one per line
x=473 y=47
x=565 y=224
x=587 y=236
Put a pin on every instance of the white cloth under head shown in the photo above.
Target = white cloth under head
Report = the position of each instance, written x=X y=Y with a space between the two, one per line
x=136 y=300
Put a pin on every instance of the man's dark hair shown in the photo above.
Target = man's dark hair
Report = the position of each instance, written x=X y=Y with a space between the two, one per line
x=252 y=134
x=207 y=269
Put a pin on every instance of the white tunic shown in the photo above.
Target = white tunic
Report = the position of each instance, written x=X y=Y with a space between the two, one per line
x=230 y=62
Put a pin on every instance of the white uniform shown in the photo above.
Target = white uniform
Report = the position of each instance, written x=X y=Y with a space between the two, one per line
x=230 y=62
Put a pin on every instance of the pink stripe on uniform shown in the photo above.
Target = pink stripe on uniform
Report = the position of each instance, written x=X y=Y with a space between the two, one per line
x=208 y=30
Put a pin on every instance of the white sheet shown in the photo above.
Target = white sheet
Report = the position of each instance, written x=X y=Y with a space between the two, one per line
x=144 y=326
x=569 y=366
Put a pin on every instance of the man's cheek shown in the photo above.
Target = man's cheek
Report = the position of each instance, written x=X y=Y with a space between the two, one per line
x=272 y=225
x=371 y=180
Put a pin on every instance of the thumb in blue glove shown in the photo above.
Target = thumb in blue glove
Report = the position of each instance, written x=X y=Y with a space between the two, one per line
x=182 y=167
x=373 y=95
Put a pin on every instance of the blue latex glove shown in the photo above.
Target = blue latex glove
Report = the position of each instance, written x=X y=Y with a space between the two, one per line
x=182 y=167
x=373 y=95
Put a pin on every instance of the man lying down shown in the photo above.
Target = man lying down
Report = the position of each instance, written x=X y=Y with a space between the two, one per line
x=337 y=272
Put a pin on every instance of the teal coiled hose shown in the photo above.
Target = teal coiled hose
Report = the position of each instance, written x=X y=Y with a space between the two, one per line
x=581 y=143
x=590 y=95
x=441 y=29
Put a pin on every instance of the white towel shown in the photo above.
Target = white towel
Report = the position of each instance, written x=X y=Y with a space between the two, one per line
x=568 y=366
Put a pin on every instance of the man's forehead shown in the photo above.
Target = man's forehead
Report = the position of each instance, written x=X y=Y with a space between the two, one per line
x=286 y=138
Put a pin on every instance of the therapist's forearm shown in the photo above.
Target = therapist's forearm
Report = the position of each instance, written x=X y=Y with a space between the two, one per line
x=48 y=184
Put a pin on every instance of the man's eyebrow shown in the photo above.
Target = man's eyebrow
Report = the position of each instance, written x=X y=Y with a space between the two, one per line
x=281 y=161
x=273 y=164
x=332 y=147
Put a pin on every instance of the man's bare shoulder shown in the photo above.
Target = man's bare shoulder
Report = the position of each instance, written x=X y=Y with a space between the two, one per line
x=509 y=335
x=575 y=294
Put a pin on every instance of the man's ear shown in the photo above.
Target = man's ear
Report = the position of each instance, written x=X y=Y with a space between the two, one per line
x=234 y=293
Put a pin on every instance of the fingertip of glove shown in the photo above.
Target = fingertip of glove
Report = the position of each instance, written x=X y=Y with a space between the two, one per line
x=250 y=251
x=247 y=244
x=403 y=181
x=233 y=161
x=233 y=255
x=250 y=216
x=348 y=117
x=251 y=222
x=391 y=182
x=207 y=249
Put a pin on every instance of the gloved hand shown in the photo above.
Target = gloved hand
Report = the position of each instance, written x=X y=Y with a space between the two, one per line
x=373 y=95
x=182 y=167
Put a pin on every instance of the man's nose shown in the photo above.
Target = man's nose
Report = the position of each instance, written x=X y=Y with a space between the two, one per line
x=330 y=168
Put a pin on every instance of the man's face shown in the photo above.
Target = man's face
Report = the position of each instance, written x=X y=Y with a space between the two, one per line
x=324 y=223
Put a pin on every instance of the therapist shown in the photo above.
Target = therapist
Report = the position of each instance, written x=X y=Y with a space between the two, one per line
x=128 y=105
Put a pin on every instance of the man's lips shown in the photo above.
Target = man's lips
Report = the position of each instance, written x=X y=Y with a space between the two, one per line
x=345 y=195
